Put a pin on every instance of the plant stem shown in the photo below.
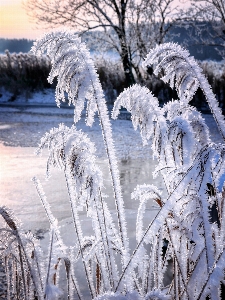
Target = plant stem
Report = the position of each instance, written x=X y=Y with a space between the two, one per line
x=107 y=136
x=76 y=225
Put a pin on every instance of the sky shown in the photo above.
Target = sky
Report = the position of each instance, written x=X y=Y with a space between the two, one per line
x=14 y=22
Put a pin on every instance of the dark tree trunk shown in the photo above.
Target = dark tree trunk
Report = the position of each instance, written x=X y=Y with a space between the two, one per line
x=125 y=54
x=127 y=67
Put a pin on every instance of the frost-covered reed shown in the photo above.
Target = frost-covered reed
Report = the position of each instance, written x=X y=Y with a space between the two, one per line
x=187 y=235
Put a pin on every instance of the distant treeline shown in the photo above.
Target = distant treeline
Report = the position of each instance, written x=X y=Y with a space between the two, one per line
x=182 y=35
x=15 y=45
x=187 y=37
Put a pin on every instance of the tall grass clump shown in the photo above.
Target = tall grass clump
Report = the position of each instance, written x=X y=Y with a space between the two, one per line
x=23 y=72
x=187 y=235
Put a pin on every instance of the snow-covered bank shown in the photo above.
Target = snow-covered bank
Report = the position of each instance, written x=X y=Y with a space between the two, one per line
x=24 y=127
x=46 y=96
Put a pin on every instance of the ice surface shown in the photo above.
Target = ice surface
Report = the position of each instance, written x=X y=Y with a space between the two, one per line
x=22 y=127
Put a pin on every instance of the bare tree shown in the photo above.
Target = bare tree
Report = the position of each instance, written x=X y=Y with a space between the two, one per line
x=131 y=27
x=150 y=23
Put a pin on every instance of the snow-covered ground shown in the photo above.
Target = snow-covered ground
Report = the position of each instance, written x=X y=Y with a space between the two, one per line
x=46 y=96
x=24 y=121
x=23 y=125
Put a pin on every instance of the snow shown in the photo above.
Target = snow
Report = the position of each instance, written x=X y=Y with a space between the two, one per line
x=25 y=125
x=46 y=96
x=187 y=160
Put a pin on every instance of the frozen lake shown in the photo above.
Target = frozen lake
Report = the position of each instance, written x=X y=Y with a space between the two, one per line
x=19 y=165
x=20 y=131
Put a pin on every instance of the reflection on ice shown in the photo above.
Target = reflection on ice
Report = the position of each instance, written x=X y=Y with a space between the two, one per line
x=19 y=165
x=5 y=126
